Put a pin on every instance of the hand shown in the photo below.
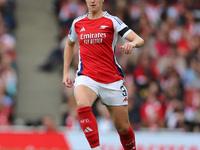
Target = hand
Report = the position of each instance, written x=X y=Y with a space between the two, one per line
x=127 y=48
x=67 y=81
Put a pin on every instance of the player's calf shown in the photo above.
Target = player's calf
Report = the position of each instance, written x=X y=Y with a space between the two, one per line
x=128 y=139
x=89 y=125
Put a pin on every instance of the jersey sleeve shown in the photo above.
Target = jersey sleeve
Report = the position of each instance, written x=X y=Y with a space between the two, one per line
x=72 y=33
x=121 y=27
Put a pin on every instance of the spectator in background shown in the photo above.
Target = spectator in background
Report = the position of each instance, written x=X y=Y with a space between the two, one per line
x=8 y=75
x=175 y=114
x=49 y=124
x=173 y=60
x=8 y=65
x=192 y=94
x=152 y=112
x=172 y=85
x=145 y=70
x=69 y=10
x=197 y=115
x=7 y=8
x=153 y=12
x=122 y=12
x=135 y=102
x=192 y=75
x=162 y=45
x=5 y=105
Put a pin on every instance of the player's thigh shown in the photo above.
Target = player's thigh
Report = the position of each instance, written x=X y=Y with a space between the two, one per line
x=119 y=115
x=84 y=96
x=85 y=91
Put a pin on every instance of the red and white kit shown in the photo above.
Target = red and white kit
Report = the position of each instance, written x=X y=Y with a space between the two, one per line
x=99 y=70
x=98 y=63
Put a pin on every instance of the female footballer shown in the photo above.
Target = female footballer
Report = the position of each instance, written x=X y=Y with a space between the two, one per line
x=99 y=75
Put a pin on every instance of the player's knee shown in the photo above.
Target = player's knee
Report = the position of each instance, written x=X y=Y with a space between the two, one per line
x=122 y=128
x=82 y=103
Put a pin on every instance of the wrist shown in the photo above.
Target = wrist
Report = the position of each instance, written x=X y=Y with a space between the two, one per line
x=65 y=72
x=134 y=44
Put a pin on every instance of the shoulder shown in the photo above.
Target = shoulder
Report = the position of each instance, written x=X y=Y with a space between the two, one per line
x=113 y=18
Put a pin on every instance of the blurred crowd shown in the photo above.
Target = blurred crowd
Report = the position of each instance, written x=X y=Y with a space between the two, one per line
x=8 y=64
x=162 y=77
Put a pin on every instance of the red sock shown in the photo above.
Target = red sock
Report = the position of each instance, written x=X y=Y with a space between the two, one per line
x=89 y=125
x=128 y=139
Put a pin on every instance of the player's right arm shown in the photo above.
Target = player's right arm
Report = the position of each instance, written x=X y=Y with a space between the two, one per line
x=68 y=54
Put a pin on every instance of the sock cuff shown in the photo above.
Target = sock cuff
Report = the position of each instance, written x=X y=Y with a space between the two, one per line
x=84 y=110
x=126 y=133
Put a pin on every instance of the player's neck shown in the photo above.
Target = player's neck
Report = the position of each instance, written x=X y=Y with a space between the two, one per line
x=95 y=15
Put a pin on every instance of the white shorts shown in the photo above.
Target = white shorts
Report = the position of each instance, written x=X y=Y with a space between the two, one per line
x=112 y=94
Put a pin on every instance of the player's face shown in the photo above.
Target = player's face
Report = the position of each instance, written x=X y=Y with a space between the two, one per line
x=94 y=5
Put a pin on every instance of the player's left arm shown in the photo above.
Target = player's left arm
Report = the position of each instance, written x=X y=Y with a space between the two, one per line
x=135 y=41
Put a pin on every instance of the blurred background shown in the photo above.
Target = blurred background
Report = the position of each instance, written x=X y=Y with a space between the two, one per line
x=162 y=77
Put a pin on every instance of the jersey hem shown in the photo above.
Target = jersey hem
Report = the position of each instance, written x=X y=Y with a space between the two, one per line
x=101 y=81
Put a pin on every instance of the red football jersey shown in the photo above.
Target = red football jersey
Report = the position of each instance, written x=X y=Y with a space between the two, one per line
x=97 y=41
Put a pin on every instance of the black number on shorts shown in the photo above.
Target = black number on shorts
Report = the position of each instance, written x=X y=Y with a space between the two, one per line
x=123 y=90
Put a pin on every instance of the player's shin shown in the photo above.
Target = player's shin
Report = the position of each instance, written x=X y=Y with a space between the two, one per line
x=89 y=125
x=128 y=139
